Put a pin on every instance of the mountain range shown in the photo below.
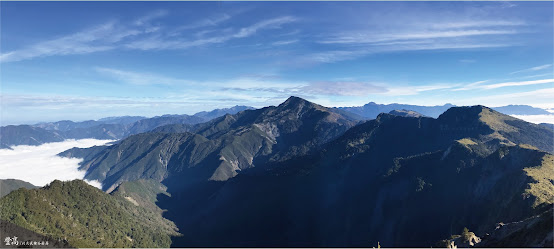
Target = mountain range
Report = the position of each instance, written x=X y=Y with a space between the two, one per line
x=120 y=127
x=372 y=110
x=105 y=128
x=303 y=175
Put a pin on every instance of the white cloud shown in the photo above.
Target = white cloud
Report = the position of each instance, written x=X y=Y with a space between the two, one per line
x=537 y=68
x=40 y=165
x=537 y=119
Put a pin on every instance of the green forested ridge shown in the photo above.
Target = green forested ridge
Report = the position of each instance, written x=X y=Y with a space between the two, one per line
x=85 y=216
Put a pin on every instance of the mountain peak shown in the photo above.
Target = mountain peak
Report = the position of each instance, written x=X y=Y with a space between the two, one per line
x=463 y=112
x=294 y=102
x=294 y=99
x=478 y=115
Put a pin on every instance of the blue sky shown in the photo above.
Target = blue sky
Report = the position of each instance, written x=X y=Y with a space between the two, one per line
x=87 y=60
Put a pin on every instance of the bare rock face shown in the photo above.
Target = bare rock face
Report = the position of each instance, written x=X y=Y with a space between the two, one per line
x=535 y=231
x=464 y=241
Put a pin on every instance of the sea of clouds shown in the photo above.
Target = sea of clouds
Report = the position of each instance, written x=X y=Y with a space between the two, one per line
x=537 y=119
x=40 y=165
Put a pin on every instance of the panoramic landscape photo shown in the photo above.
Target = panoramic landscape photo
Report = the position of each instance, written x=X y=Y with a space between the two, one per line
x=276 y=124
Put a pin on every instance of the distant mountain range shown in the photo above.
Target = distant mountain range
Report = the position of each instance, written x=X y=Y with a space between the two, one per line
x=120 y=127
x=303 y=175
x=371 y=110
x=106 y=128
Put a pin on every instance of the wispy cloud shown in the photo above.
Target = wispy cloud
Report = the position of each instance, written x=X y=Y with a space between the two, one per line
x=537 y=68
x=270 y=23
x=437 y=33
x=161 y=42
x=477 y=23
x=107 y=36
x=281 y=43
x=386 y=37
x=136 y=78
x=414 y=90
x=359 y=52
x=100 y=38
x=213 y=21
x=151 y=16
x=343 y=88
x=536 y=76
x=140 y=35
x=520 y=83
x=481 y=85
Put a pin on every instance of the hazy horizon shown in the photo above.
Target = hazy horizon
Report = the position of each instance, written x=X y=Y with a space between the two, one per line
x=529 y=118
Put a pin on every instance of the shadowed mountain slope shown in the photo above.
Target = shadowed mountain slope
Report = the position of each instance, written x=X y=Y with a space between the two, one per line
x=379 y=181
x=219 y=149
